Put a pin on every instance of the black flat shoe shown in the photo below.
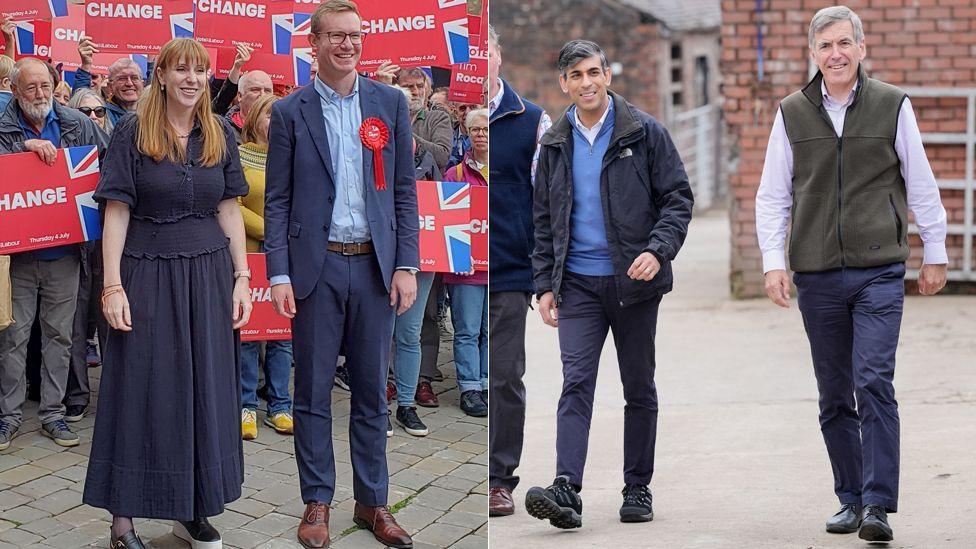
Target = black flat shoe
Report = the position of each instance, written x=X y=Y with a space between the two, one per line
x=199 y=533
x=874 y=525
x=128 y=540
x=845 y=521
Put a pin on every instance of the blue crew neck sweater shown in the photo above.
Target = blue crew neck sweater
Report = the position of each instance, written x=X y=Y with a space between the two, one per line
x=589 y=253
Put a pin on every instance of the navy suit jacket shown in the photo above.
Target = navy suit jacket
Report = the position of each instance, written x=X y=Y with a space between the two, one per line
x=300 y=187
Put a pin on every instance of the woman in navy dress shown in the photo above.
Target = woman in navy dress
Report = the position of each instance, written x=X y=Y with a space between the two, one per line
x=166 y=443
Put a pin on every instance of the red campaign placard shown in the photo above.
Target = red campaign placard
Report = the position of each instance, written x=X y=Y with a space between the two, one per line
x=291 y=70
x=445 y=226
x=414 y=33
x=137 y=26
x=479 y=227
x=43 y=206
x=468 y=79
x=65 y=34
x=23 y=10
x=265 y=25
x=265 y=324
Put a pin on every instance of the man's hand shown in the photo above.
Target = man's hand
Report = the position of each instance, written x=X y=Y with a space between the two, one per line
x=404 y=289
x=778 y=287
x=645 y=267
x=283 y=299
x=547 y=308
x=385 y=72
x=87 y=51
x=931 y=279
x=7 y=27
x=242 y=57
x=44 y=149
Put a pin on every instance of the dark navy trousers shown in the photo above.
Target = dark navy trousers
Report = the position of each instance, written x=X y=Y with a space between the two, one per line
x=590 y=308
x=852 y=319
x=350 y=303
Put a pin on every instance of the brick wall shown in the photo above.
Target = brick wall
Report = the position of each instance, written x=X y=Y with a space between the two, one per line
x=533 y=31
x=909 y=43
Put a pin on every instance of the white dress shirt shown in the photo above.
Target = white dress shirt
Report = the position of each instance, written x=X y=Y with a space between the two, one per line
x=591 y=133
x=774 y=200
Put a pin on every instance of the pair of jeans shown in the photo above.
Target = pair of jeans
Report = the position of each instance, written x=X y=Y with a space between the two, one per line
x=406 y=334
x=469 y=314
x=277 y=372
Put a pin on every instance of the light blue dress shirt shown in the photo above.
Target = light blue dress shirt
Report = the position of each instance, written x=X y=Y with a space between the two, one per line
x=343 y=116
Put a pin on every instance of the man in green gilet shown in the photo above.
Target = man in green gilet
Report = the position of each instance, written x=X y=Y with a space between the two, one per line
x=845 y=162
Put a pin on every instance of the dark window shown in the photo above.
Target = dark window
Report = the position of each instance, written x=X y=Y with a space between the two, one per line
x=701 y=80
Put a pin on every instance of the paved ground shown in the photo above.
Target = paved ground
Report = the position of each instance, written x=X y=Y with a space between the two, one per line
x=740 y=460
x=438 y=486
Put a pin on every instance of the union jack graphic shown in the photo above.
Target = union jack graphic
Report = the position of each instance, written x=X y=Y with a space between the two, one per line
x=281 y=28
x=181 y=25
x=82 y=161
x=456 y=37
x=24 y=36
x=59 y=8
x=302 y=25
x=452 y=195
x=91 y=220
x=302 y=61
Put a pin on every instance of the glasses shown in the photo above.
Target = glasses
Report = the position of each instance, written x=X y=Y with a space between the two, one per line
x=132 y=79
x=481 y=130
x=87 y=111
x=336 y=38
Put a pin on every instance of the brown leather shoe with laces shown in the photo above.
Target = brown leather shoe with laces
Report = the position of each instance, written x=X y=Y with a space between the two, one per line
x=385 y=529
x=426 y=396
x=313 y=532
x=500 y=503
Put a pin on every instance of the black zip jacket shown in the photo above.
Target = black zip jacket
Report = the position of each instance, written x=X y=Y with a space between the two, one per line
x=647 y=202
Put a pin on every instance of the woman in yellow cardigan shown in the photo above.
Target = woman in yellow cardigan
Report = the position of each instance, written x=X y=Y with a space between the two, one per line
x=277 y=356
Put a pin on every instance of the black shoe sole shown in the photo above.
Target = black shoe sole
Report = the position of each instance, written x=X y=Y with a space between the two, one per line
x=494 y=513
x=874 y=532
x=543 y=508
x=626 y=516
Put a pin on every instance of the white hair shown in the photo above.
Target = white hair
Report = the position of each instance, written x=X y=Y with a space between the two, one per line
x=121 y=64
x=472 y=115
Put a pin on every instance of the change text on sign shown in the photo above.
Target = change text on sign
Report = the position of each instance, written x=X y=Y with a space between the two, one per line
x=124 y=11
x=240 y=9
x=399 y=24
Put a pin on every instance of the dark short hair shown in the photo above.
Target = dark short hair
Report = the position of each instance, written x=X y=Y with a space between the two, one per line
x=575 y=51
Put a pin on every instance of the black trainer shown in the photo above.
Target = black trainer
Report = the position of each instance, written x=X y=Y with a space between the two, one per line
x=874 y=524
x=559 y=503
x=637 y=504
x=342 y=377
x=407 y=417
x=128 y=540
x=473 y=405
x=845 y=521
x=199 y=533
x=389 y=425
x=75 y=412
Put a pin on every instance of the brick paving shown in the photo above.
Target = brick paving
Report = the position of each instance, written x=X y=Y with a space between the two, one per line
x=438 y=485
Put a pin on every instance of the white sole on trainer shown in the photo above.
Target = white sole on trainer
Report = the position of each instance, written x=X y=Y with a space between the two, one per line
x=180 y=531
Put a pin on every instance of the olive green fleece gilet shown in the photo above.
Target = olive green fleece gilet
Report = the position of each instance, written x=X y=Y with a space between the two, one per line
x=849 y=200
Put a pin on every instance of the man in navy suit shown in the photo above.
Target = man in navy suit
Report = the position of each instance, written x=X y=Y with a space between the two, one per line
x=342 y=253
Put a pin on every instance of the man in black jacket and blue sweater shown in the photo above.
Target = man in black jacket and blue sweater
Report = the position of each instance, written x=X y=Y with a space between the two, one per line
x=612 y=207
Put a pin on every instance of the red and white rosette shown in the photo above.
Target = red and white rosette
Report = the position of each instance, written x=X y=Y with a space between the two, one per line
x=374 y=134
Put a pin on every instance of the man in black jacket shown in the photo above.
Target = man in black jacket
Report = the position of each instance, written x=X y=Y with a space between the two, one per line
x=611 y=210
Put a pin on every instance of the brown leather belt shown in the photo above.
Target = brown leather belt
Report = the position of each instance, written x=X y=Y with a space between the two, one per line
x=351 y=248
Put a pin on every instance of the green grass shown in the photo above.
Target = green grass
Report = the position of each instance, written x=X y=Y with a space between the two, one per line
x=393 y=511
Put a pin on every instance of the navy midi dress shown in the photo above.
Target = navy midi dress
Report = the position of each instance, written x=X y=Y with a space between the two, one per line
x=167 y=439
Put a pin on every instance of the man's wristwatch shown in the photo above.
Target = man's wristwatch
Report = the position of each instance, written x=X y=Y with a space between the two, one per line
x=411 y=270
x=246 y=273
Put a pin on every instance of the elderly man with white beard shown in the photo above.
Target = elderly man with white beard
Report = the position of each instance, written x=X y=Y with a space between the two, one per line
x=34 y=122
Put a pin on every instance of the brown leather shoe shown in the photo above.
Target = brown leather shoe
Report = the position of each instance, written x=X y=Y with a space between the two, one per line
x=313 y=532
x=426 y=396
x=500 y=503
x=385 y=529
